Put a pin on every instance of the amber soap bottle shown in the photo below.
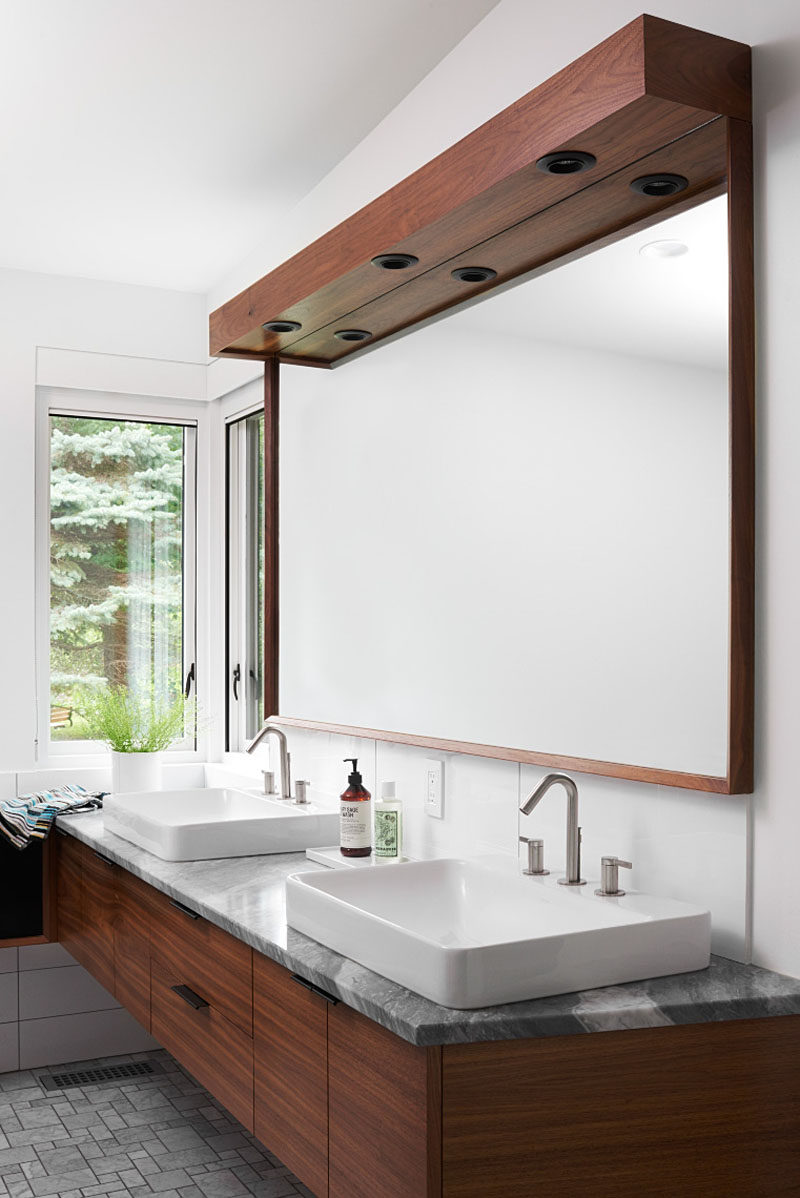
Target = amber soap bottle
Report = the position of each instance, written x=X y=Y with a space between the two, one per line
x=355 y=816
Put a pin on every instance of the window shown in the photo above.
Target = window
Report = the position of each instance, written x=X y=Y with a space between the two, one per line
x=122 y=561
x=245 y=599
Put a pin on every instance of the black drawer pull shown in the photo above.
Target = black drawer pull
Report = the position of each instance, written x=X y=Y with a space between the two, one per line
x=106 y=860
x=186 y=910
x=314 y=989
x=194 y=1000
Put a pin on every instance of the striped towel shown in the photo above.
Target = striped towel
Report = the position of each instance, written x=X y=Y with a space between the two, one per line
x=30 y=817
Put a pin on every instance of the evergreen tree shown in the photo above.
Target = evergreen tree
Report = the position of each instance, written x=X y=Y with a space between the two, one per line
x=116 y=499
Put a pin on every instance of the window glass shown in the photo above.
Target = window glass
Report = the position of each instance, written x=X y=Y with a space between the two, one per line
x=121 y=561
x=245 y=578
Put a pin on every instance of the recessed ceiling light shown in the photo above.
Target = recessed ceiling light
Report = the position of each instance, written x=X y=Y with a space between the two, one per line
x=473 y=274
x=281 y=326
x=659 y=185
x=664 y=249
x=395 y=261
x=352 y=335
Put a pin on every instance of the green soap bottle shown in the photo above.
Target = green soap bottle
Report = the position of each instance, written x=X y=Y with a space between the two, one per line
x=388 y=842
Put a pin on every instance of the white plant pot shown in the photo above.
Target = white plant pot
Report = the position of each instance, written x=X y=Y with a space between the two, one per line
x=135 y=771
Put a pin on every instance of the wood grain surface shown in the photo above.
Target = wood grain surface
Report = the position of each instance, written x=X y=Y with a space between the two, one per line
x=670 y=1112
x=742 y=449
x=290 y=1026
x=216 y=965
x=214 y=1050
x=384 y=1117
x=648 y=84
x=132 y=917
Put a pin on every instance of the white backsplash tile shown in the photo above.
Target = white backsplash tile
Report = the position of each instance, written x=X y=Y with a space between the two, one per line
x=8 y=960
x=65 y=991
x=63 y=1038
x=318 y=757
x=44 y=956
x=9 y=1047
x=683 y=844
x=9 y=1010
x=479 y=802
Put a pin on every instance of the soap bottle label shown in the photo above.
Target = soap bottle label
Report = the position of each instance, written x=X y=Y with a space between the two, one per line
x=386 y=833
x=356 y=824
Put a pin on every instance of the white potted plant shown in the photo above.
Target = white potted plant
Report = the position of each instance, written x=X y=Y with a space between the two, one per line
x=137 y=729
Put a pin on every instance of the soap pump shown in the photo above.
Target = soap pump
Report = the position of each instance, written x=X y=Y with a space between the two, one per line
x=355 y=816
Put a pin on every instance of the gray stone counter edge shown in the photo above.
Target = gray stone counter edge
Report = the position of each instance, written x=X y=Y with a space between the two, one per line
x=727 y=990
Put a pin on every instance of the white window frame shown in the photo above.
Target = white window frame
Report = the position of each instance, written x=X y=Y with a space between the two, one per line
x=194 y=416
x=245 y=401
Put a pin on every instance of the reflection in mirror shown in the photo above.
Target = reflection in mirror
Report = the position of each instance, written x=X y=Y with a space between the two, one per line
x=511 y=527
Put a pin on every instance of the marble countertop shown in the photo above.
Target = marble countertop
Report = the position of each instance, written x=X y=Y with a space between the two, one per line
x=245 y=896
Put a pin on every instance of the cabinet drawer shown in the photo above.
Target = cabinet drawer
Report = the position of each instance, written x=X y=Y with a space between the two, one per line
x=213 y=1049
x=132 y=945
x=209 y=960
x=291 y=1072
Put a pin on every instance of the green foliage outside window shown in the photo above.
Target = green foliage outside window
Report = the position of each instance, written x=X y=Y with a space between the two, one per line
x=116 y=568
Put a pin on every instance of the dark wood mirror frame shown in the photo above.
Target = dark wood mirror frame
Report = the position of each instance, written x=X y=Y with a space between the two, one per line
x=655 y=98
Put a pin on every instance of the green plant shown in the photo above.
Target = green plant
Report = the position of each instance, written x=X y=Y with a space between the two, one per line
x=134 y=723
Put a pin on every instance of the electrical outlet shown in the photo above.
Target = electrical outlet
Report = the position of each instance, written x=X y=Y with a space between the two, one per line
x=434 y=789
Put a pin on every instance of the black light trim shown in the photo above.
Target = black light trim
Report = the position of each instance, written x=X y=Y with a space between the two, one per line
x=566 y=162
x=659 y=186
x=352 y=335
x=281 y=326
x=473 y=274
x=394 y=261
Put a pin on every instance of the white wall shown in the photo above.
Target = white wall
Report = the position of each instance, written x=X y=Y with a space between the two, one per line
x=42 y=312
x=519 y=44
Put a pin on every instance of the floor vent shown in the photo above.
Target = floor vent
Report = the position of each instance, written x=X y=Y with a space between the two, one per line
x=93 y=1077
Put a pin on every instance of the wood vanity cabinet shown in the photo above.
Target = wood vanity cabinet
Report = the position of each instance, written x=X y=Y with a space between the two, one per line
x=86 y=904
x=357 y=1112
x=291 y=1072
x=350 y=1107
x=201 y=982
x=132 y=922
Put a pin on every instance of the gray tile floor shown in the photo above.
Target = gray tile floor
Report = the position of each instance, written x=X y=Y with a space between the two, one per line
x=162 y=1134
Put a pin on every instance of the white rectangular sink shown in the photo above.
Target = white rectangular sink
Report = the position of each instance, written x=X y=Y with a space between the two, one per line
x=466 y=935
x=194 y=825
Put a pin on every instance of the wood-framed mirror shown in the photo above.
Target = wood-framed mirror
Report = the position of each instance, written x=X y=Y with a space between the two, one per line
x=547 y=554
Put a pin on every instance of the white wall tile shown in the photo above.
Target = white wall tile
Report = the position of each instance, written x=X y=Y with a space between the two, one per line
x=80 y=1037
x=8 y=997
x=319 y=758
x=683 y=844
x=8 y=786
x=93 y=779
x=44 y=956
x=8 y=960
x=9 y=1047
x=65 y=991
x=480 y=802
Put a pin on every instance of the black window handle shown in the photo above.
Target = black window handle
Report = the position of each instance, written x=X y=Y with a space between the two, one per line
x=314 y=989
x=185 y=910
x=190 y=678
x=188 y=995
x=237 y=678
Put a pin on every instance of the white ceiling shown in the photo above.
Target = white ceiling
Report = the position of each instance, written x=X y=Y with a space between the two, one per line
x=673 y=309
x=153 y=142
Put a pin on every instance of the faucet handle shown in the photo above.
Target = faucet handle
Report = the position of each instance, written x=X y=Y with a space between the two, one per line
x=535 y=857
x=269 y=782
x=300 y=789
x=609 y=872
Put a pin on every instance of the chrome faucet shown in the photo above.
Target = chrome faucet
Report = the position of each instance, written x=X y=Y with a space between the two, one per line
x=573 y=877
x=286 y=774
